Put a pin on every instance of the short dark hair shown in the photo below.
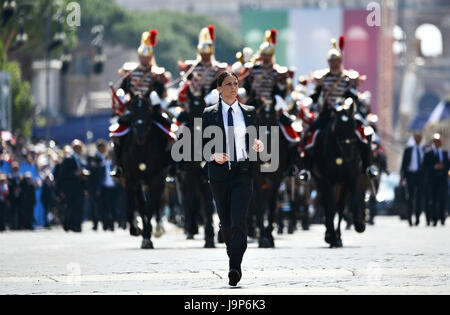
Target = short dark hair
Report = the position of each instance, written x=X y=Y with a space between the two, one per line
x=224 y=75
x=101 y=142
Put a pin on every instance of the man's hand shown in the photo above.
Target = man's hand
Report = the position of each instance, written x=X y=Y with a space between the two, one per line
x=439 y=166
x=220 y=158
x=258 y=146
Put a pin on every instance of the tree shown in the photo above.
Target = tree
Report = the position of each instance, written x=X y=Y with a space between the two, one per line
x=178 y=31
x=22 y=106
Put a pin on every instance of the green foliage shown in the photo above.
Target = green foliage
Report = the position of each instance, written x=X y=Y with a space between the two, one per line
x=178 y=31
x=22 y=106
x=34 y=16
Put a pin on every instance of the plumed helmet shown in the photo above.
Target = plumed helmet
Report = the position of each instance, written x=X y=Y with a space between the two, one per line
x=148 y=42
x=270 y=41
x=206 y=40
x=335 y=52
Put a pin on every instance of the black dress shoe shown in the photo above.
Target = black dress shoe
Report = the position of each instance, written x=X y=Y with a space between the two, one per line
x=234 y=276
x=209 y=244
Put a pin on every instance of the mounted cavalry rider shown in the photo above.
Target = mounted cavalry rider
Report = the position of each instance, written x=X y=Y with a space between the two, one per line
x=145 y=79
x=264 y=79
x=204 y=70
x=335 y=84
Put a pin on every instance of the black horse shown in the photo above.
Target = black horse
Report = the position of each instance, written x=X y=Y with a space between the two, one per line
x=197 y=197
x=146 y=161
x=338 y=173
x=267 y=184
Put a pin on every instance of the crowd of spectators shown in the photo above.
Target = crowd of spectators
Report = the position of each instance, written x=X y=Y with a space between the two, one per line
x=31 y=192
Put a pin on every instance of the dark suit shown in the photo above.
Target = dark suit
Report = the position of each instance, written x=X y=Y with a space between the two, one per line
x=415 y=182
x=437 y=183
x=72 y=186
x=231 y=189
x=95 y=180
x=14 y=201
x=27 y=203
x=47 y=199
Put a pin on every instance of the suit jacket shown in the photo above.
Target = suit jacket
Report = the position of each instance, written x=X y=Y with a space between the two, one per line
x=406 y=161
x=436 y=176
x=212 y=116
x=71 y=184
x=14 y=190
x=27 y=194
x=97 y=168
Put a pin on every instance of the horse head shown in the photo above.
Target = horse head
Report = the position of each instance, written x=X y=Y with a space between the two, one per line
x=343 y=125
x=141 y=110
x=266 y=115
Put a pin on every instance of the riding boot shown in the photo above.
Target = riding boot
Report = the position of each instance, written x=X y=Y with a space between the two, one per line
x=305 y=165
x=117 y=171
x=366 y=157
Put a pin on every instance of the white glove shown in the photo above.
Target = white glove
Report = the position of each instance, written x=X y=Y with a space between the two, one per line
x=280 y=103
x=154 y=98
x=212 y=98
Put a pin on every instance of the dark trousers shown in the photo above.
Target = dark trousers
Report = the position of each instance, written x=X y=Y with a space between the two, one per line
x=108 y=207
x=75 y=210
x=438 y=200
x=2 y=216
x=232 y=198
x=13 y=217
x=414 y=182
x=197 y=195
x=95 y=208
x=46 y=207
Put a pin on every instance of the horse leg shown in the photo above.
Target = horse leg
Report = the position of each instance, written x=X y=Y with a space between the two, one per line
x=328 y=203
x=142 y=201
x=357 y=206
x=272 y=200
x=259 y=203
x=155 y=204
x=340 y=208
x=130 y=207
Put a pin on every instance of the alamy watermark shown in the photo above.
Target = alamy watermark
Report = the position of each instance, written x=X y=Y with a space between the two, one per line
x=74 y=274
x=374 y=17
x=74 y=17
x=200 y=150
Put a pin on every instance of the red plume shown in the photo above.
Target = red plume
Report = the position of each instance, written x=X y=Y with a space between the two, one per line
x=212 y=32
x=341 y=43
x=153 y=34
x=273 y=36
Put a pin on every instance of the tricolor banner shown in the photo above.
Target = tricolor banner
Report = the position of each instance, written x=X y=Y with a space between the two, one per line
x=304 y=39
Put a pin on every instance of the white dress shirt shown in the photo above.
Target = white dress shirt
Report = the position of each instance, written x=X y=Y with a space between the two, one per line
x=108 y=181
x=414 y=164
x=239 y=129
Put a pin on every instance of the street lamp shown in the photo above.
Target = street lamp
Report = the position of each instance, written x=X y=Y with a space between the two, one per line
x=58 y=39
x=21 y=38
x=95 y=66
x=9 y=7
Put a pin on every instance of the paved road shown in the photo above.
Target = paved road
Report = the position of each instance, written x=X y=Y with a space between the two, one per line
x=389 y=258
